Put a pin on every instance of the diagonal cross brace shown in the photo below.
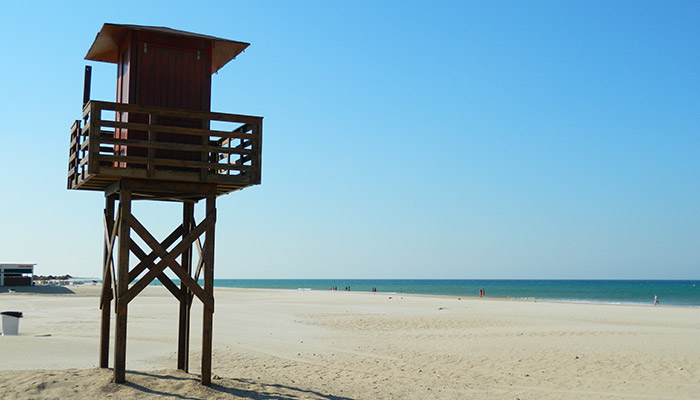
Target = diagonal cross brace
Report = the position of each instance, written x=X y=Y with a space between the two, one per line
x=200 y=263
x=148 y=260
x=138 y=252
x=109 y=285
x=168 y=259
x=162 y=252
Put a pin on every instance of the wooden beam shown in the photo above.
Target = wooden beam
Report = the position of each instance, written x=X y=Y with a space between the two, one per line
x=183 y=335
x=208 y=313
x=200 y=266
x=200 y=260
x=122 y=287
x=106 y=278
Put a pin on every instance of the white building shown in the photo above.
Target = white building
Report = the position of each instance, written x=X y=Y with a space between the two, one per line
x=13 y=274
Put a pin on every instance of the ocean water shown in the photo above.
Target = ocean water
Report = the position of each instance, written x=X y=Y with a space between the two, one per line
x=676 y=293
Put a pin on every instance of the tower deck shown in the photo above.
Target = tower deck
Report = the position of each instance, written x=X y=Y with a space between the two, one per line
x=227 y=152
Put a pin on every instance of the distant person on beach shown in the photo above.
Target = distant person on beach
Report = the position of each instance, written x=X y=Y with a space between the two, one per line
x=656 y=301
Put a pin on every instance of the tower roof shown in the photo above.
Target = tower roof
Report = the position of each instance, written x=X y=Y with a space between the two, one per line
x=106 y=45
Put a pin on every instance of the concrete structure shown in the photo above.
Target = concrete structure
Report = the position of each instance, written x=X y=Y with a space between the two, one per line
x=12 y=274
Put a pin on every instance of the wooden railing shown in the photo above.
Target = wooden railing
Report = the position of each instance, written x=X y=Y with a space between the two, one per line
x=115 y=140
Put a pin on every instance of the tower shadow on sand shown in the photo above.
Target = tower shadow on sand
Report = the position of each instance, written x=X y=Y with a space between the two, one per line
x=179 y=385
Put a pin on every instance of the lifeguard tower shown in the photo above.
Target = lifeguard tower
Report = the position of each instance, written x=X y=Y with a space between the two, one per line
x=160 y=142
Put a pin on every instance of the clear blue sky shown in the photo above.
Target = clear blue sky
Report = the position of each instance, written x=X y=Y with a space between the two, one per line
x=401 y=140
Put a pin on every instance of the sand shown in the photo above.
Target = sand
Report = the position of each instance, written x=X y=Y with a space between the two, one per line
x=280 y=344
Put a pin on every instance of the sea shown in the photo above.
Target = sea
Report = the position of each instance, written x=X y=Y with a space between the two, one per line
x=668 y=292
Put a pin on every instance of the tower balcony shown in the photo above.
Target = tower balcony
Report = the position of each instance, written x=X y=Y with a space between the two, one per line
x=155 y=144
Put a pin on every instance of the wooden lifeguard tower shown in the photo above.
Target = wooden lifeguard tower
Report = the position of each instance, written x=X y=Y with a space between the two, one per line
x=159 y=141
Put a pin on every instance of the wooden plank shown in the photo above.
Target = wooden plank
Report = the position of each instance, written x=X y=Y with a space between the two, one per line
x=180 y=187
x=200 y=261
x=113 y=188
x=174 y=163
x=169 y=259
x=200 y=266
x=178 y=129
x=123 y=287
x=242 y=180
x=181 y=113
x=174 y=146
x=244 y=143
x=240 y=161
x=86 y=110
x=200 y=253
x=71 y=158
x=208 y=313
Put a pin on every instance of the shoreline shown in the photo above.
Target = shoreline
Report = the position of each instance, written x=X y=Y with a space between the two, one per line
x=65 y=290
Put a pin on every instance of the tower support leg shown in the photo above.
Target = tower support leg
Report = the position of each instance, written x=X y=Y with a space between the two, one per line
x=122 y=286
x=106 y=299
x=208 y=316
x=183 y=343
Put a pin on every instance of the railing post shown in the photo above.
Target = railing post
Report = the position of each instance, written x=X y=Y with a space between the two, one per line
x=74 y=154
x=86 y=84
x=257 y=153
x=94 y=129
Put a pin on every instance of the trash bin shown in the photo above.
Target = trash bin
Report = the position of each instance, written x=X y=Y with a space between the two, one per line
x=10 y=322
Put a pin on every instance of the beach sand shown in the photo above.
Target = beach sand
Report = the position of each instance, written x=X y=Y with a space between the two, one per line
x=282 y=344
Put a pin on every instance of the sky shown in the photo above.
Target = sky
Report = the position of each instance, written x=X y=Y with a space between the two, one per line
x=402 y=139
